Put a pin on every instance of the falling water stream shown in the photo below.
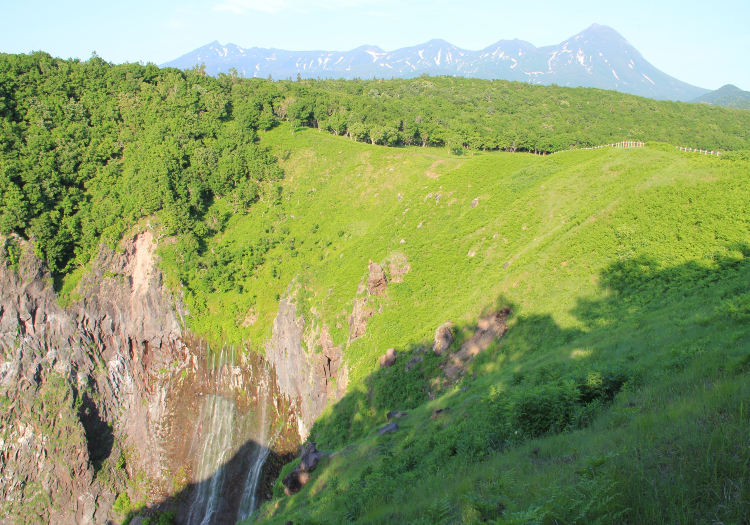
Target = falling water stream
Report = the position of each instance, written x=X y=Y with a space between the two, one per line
x=250 y=494
x=225 y=435
x=218 y=420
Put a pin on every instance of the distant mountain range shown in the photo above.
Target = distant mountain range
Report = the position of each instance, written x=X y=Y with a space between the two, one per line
x=597 y=57
x=728 y=96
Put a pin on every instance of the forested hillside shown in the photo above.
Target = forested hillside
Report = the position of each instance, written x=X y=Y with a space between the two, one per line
x=89 y=147
x=471 y=114
x=728 y=96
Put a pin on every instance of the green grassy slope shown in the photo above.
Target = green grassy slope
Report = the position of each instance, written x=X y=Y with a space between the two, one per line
x=619 y=391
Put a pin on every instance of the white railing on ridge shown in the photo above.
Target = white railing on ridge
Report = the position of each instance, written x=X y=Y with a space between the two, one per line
x=635 y=144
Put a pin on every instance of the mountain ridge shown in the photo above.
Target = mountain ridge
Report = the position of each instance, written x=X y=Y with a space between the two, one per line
x=728 y=96
x=597 y=57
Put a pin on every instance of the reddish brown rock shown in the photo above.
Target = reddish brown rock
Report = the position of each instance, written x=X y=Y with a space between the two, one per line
x=443 y=339
x=388 y=359
x=376 y=281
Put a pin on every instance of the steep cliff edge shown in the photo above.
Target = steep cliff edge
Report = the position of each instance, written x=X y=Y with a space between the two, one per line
x=109 y=396
x=81 y=400
x=309 y=367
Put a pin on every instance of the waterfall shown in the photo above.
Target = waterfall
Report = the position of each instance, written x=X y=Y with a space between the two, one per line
x=231 y=447
x=249 y=495
x=217 y=420
x=215 y=430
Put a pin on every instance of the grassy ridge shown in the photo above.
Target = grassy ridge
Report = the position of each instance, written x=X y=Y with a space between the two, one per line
x=88 y=149
x=628 y=264
x=340 y=208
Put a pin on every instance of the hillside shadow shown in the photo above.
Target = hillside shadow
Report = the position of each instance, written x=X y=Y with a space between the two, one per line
x=642 y=283
x=646 y=310
x=632 y=290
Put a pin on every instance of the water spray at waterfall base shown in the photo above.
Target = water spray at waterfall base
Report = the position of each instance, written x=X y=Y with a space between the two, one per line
x=230 y=445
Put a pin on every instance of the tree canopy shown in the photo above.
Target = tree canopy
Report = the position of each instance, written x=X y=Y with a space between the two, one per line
x=87 y=148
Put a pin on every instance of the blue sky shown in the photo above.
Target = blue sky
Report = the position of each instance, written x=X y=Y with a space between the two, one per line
x=701 y=43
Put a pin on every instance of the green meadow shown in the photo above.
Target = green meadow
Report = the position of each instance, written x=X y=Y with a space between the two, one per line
x=618 y=393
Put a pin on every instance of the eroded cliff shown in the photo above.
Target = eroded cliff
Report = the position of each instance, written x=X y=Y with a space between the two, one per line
x=107 y=396
x=82 y=401
x=309 y=367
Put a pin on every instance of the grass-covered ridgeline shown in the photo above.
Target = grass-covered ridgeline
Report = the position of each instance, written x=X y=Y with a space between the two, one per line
x=87 y=148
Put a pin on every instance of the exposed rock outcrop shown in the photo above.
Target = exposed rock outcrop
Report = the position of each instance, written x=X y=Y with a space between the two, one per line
x=443 y=339
x=106 y=391
x=308 y=365
x=361 y=312
x=489 y=328
x=388 y=358
x=298 y=478
x=77 y=384
x=303 y=375
x=390 y=428
x=376 y=281
x=414 y=361
x=376 y=285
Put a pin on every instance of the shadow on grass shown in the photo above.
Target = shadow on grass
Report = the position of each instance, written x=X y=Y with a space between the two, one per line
x=664 y=316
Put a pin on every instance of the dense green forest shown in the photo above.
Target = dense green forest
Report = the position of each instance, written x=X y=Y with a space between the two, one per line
x=88 y=147
x=469 y=114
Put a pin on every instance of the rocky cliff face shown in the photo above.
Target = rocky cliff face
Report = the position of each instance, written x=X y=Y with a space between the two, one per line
x=108 y=396
x=310 y=368
x=79 y=387
x=308 y=377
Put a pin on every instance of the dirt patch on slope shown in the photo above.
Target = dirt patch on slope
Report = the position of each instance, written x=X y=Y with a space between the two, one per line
x=398 y=266
x=432 y=170
x=141 y=250
x=489 y=328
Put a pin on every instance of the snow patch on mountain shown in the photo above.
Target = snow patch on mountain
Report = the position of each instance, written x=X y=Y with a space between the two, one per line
x=506 y=60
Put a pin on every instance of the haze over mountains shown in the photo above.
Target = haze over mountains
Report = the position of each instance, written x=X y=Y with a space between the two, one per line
x=597 y=57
